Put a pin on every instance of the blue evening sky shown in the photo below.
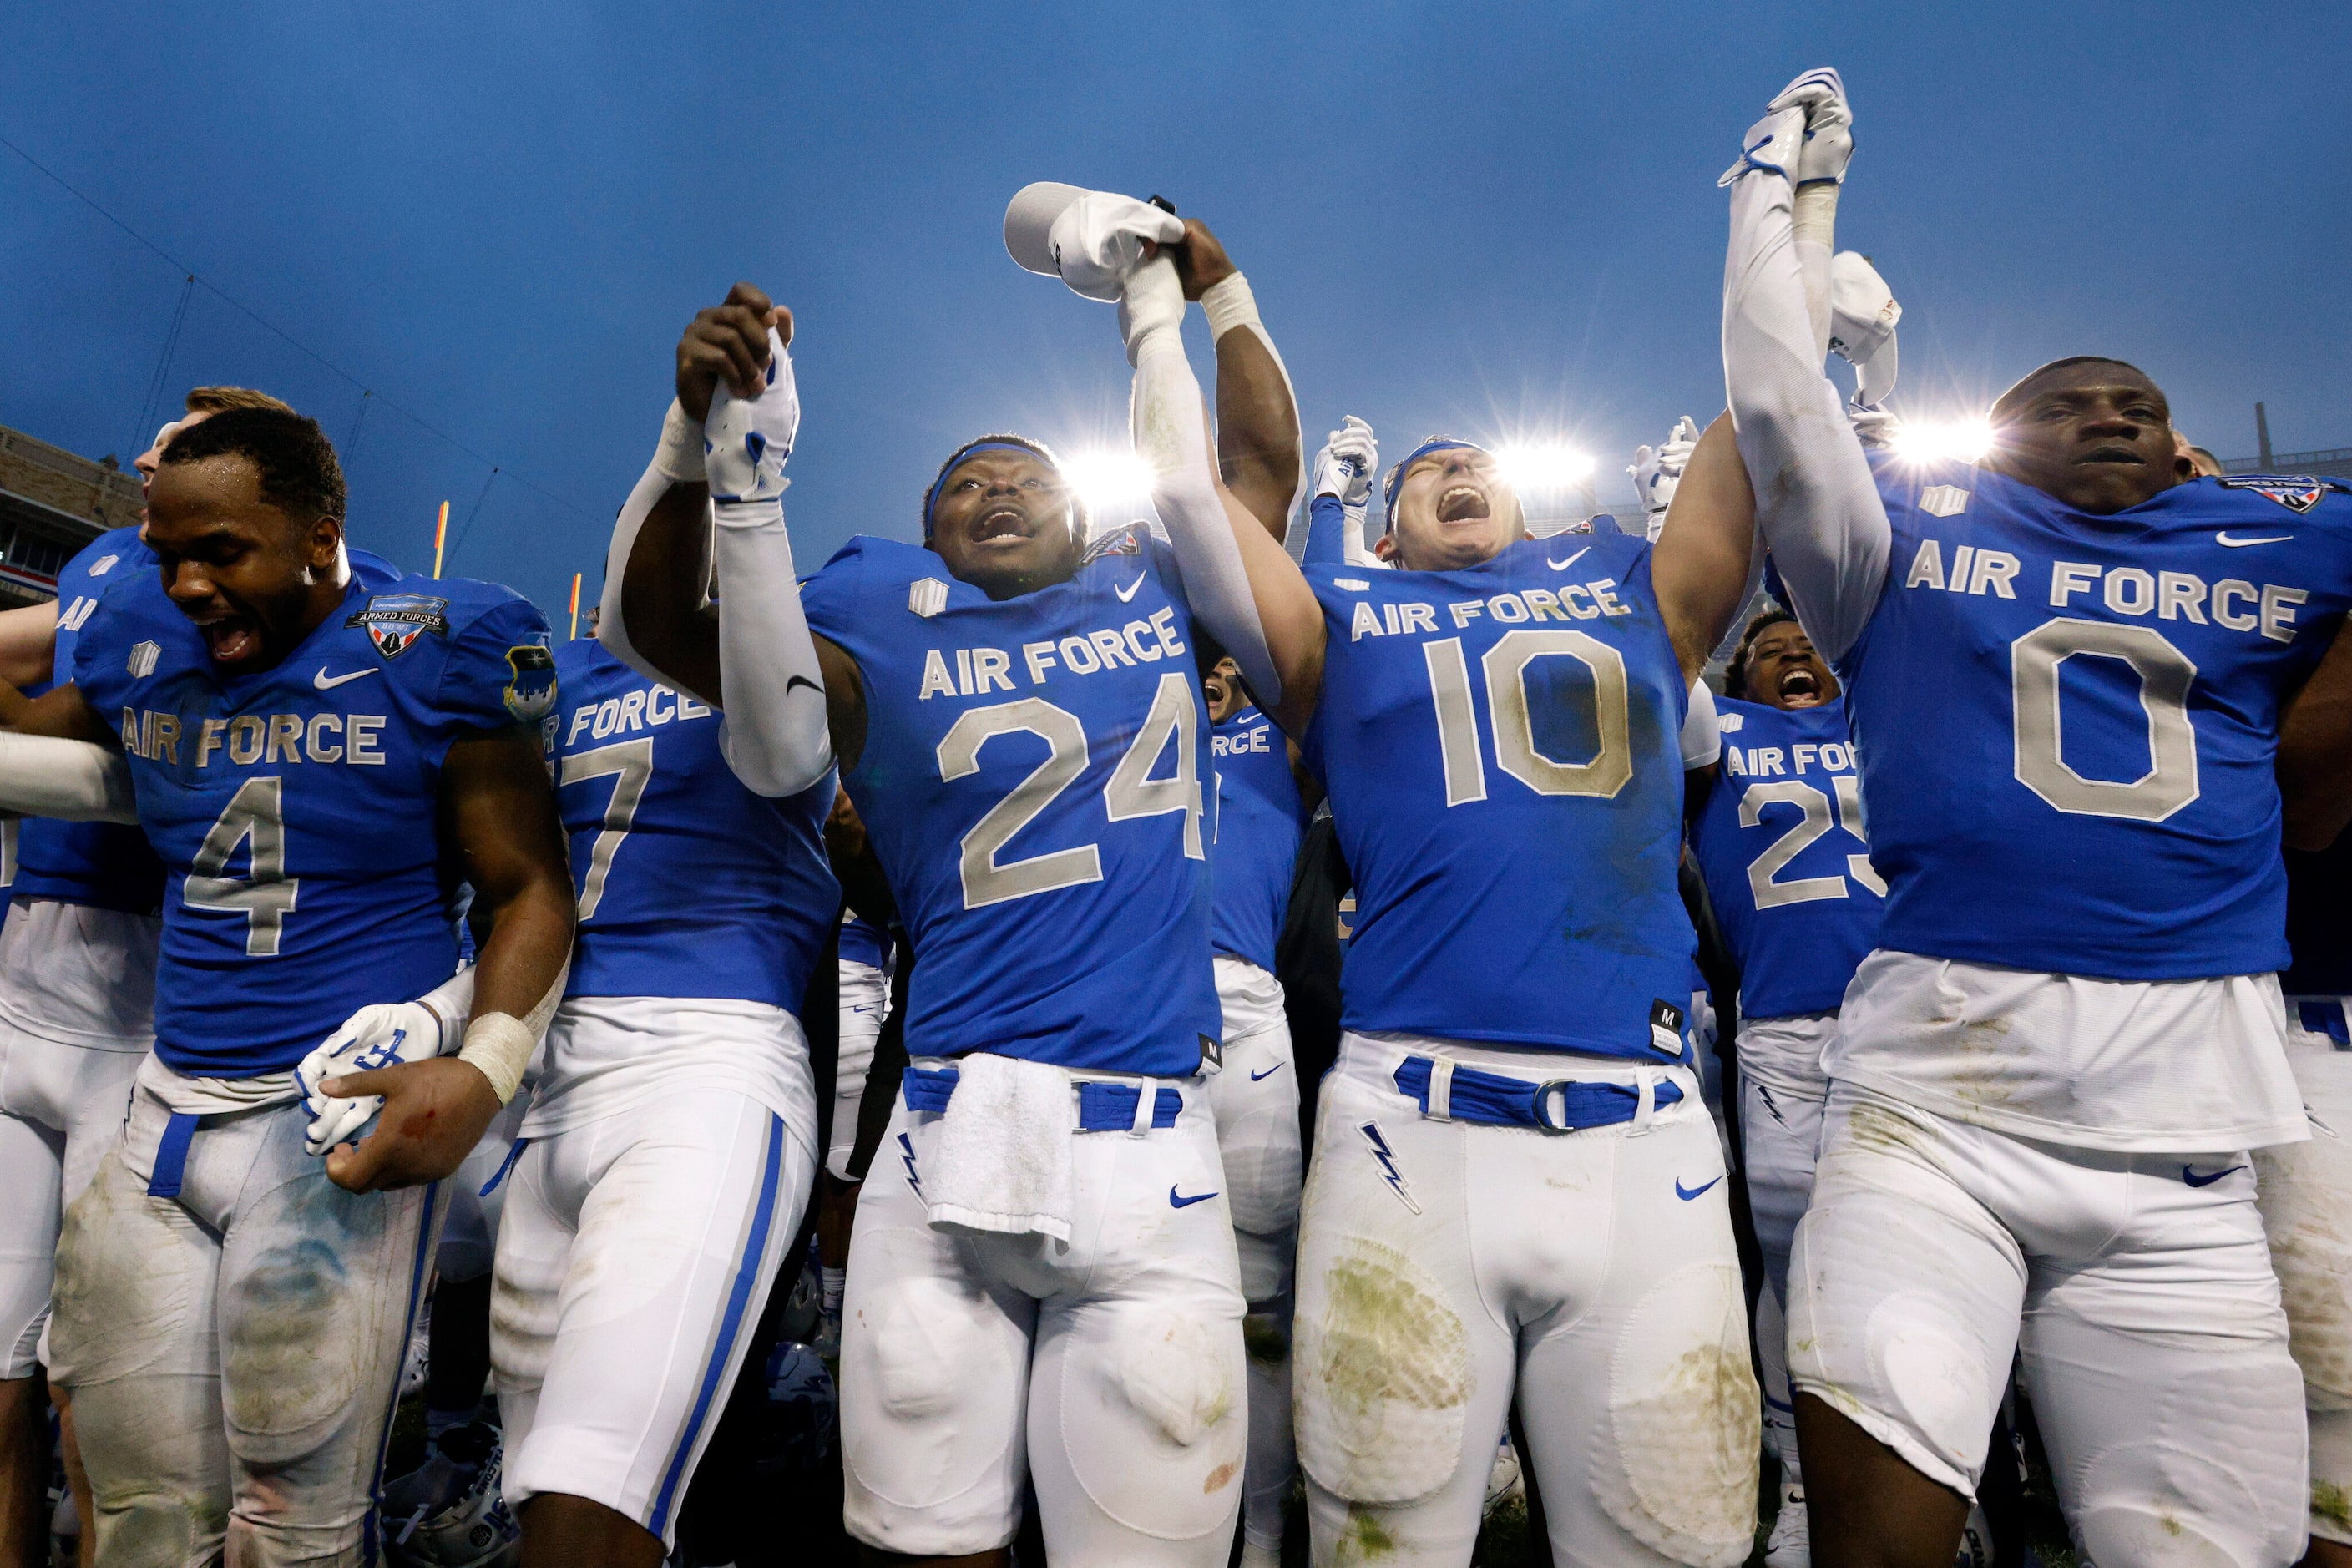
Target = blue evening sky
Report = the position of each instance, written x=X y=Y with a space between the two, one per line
x=1492 y=220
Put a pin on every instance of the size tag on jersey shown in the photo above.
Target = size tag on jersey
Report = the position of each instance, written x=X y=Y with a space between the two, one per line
x=1666 y=1029
x=1212 y=1054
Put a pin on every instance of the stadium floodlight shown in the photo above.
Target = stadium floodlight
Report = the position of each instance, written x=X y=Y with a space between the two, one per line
x=1115 y=485
x=1543 y=467
x=1937 y=441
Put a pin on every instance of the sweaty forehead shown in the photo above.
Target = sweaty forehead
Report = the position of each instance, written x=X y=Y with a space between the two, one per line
x=2088 y=377
x=1003 y=465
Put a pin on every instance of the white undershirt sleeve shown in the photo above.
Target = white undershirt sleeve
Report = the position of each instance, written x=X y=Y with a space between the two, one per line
x=1702 y=732
x=777 y=740
x=72 y=781
x=1171 y=434
x=1816 y=500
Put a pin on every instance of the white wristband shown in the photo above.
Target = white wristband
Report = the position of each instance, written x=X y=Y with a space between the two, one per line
x=1228 y=304
x=499 y=1044
x=679 y=456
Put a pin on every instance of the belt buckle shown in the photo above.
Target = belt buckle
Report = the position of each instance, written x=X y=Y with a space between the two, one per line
x=1543 y=1094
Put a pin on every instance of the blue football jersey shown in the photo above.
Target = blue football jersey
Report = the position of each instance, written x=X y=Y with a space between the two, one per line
x=296 y=809
x=864 y=943
x=2067 y=722
x=1034 y=783
x=104 y=864
x=1780 y=844
x=1260 y=821
x=689 y=884
x=1502 y=749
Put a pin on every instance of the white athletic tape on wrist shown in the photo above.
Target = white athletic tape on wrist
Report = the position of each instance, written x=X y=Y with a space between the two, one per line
x=679 y=456
x=499 y=1044
x=1228 y=304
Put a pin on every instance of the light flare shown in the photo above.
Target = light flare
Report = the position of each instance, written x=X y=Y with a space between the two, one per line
x=1109 y=483
x=1934 y=441
x=1543 y=467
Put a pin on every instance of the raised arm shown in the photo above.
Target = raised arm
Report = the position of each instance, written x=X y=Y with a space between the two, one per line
x=1258 y=443
x=1705 y=557
x=1813 y=492
x=712 y=507
x=1343 y=489
x=1242 y=583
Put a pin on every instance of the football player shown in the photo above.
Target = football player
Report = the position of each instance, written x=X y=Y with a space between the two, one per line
x=1780 y=841
x=2072 y=673
x=1046 y=1277
x=314 y=760
x=2305 y=1189
x=1262 y=817
x=667 y=1155
x=1499 y=724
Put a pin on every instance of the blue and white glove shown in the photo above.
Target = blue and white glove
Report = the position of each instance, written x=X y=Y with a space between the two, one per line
x=1863 y=313
x=384 y=1036
x=1099 y=239
x=1806 y=134
x=745 y=443
x=1344 y=468
x=1658 y=470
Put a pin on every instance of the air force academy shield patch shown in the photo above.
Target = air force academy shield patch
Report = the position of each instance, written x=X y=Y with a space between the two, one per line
x=394 y=621
x=532 y=693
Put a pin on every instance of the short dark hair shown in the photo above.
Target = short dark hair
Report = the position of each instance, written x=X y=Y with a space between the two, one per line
x=1735 y=675
x=2016 y=393
x=221 y=399
x=293 y=458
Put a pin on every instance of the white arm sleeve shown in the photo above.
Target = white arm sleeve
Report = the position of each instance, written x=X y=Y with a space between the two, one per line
x=73 y=781
x=1702 y=733
x=777 y=739
x=1171 y=434
x=1816 y=499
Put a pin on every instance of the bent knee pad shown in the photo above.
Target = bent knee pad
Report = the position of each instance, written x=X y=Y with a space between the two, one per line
x=133 y=1274
x=1154 y=1421
x=1675 y=1463
x=312 y=1323
x=1264 y=1168
x=922 y=1361
x=1381 y=1376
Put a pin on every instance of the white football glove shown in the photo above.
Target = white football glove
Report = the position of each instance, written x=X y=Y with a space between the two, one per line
x=383 y=1036
x=1099 y=239
x=1657 y=470
x=744 y=444
x=1344 y=466
x=1806 y=134
x=1863 y=313
x=1874 y=426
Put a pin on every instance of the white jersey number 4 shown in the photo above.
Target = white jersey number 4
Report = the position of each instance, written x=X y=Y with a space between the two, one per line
x=1131 y=793
x=265 y=896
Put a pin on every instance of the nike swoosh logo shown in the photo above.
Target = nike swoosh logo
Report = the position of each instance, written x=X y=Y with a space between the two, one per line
x=325 y=682
x=1267 y=1073
x=1128 y=593
x=1176 y=1202
x=1686 y=1194
x=1564 y=565
x=803 y=680
x=2223 y=538
x=2193 y=1179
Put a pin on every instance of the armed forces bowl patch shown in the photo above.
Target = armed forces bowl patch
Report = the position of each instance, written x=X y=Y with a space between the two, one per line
x=394 y=621
x=532 y=693
x=2296 y=492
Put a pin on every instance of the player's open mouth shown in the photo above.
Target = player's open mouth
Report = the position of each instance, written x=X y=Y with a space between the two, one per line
x=1463 y=503
x=1005 y=523
x=1800 y=688
x=231 y=638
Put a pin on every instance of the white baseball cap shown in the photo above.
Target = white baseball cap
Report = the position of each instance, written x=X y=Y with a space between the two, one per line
x=1863 y=313
x=1029 y=222
x=1090 y=239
